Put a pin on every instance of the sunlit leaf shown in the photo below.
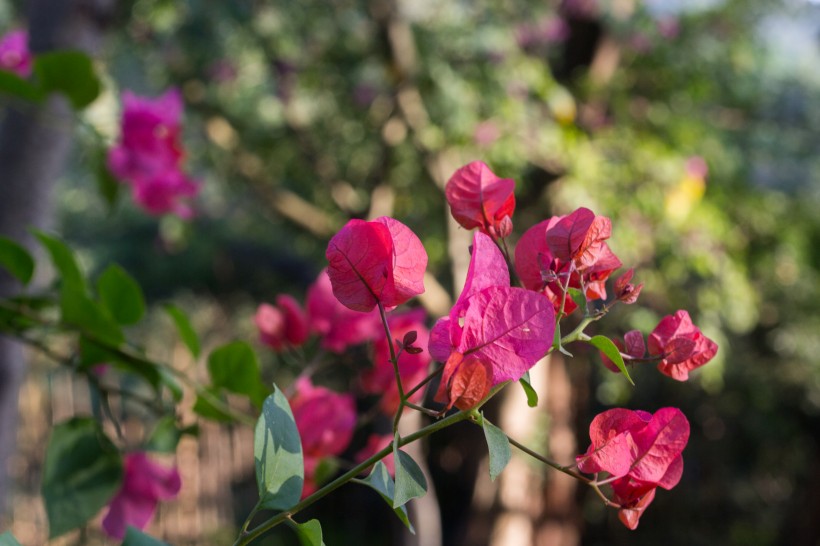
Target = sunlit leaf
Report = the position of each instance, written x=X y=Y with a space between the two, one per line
x=277 y=451
x=606 y=346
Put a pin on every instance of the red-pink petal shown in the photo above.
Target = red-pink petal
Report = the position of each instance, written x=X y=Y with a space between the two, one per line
x=508 y=328
x=360 y=258
x=408 y=266
x=480 y=199
x=659 y=444
x=568 y=235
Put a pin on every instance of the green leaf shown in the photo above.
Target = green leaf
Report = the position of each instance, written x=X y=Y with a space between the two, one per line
x=380 y=480
x=82 y=472
x=235 y=368
x=606 y=346
x=70 y=73
x=184 y=328
x=7 y=539
x=121 y=295
x=63 y=259
x=135 y=537
x=15 y=86
x=107 y=184
x=410 y=480
x=309 y=533
x=207 y=409
x=532 y=396
x=166 y=435
x=579 y=298
x=77 y=309
x=499 y=447
x=16 y=259
x=93 y=352
x=277 y=450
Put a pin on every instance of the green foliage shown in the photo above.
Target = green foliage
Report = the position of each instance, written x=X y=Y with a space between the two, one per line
x=235 y=368
x=184 y=328
x=605 y=345
x=499 y=447
x=16 y=259
x=135 y=537
x=380 y=480
x=532 y=396
x=410 y=481
x=166 y=435
x=309 y=533
x=121 y=295
x=7 y=539
x=82 y=471
x=70 y=73
x=278 y=454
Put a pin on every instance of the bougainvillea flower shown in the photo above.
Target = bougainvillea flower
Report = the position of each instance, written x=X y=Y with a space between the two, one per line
x=285 y=325
x=480 y=199
x=325 y=420
x=375 y=443
x=465 y=381
x=625 y=291
x=149 y=153
x=375 y=262
x=144 y=484
x=507 y=329
x=14 y=54
x=579 y=237
x=642 y=450
x=539 y=270
x=338 y=326
x=634 y=497
x=165 y=192
x=631 y=347
x=150 y=136
x=681 y=345
x=381 y=378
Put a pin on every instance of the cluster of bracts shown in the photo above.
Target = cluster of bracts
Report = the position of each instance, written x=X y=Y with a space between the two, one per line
x=493 y=334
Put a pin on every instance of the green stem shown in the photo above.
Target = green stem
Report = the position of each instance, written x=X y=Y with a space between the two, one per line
x=246 y=537
x=395 y=361
x=595 y=485
x=424 y=381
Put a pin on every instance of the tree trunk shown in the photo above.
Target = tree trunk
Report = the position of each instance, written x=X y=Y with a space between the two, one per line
x=34 y=145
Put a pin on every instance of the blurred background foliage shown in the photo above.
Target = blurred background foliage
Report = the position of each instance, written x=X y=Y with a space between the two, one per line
x=693 y=125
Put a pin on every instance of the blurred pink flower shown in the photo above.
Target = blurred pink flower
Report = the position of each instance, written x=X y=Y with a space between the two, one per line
x=339 y=326
x=284 y=325
x=149 y=153
x=14 y=54
x=164 y=193
x=325 y=421
x=144 y=484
